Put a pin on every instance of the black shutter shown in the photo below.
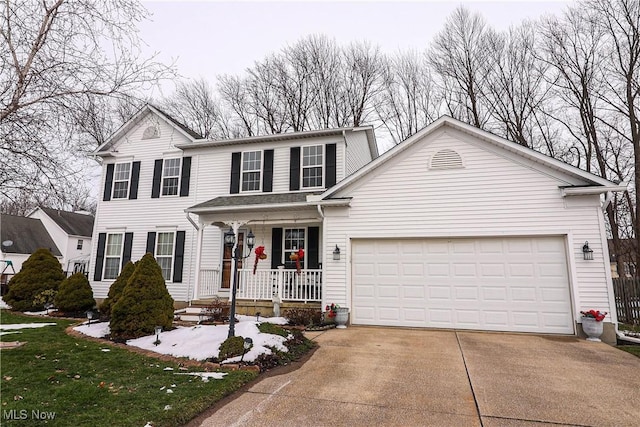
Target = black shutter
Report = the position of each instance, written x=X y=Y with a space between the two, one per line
x=126 y=253
x=294 y=169
x=235 y=173
x=157 y=177
x=151 y=242
x=178 y=259
x=135 y=177
x=108 y=182
x=313 y=242
x=267 y=172
x=276 y=247
x=186 y=176
x=331 y=165
x=97 y=273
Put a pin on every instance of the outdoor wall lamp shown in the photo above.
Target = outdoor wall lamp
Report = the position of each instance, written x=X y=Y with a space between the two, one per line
x=336 y=253
x=158 y=330
x=587 y=252
x=229 y=241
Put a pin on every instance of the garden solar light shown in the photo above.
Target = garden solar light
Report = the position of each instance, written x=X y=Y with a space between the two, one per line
x=158 y=330
x=89 y=316
x=248 y=342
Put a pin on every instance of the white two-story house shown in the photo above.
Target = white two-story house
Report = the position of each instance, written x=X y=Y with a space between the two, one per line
x=168 y=192
x=453 y=228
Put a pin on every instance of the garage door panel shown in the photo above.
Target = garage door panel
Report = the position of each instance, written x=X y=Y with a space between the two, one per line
x=502 y=284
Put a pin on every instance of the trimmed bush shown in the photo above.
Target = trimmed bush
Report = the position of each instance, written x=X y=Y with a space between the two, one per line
x=115 y=291
x=75 y=294
x=231 y=347
x=144 y=304
x=303 y=316
x=40 y=272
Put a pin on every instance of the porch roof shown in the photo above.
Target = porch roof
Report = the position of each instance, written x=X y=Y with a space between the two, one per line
x=237 y=203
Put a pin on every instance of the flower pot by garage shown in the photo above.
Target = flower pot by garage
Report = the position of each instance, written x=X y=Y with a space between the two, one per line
x=592 y=328
x=342 y=316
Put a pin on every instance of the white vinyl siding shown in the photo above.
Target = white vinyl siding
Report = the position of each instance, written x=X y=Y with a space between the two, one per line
x=312 y=166
x=121 y=178
x=251 y=171
x=497 y=193
x=164 y=253
x=113 y=256
x=148 y=214
x=170 y=177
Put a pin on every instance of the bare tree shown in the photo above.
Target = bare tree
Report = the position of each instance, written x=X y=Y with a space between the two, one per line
x=194 y=104
x=57 y=56
x=407 y=101
x=458 y=56
x=516 y=89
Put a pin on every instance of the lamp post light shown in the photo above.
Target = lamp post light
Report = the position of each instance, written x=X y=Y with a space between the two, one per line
x=230 y=241
x=158 y=330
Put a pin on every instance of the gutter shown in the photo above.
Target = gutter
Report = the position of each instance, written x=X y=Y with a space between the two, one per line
x=192 y=222
x=580 y=191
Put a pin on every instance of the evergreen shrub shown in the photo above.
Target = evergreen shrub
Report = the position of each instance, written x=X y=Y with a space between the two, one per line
x=75 y=294
x=144 y=304
x=40 y=272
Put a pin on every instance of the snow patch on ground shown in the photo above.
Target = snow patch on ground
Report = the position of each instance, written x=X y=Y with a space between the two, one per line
x=205 y=375
x=4 y=304
x=96 y=329
x=200 y=342
x=15 y=326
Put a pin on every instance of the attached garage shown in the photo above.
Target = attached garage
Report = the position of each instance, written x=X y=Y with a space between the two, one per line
x=518 y=284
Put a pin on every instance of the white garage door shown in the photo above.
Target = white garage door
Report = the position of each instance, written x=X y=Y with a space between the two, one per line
x=500 y=284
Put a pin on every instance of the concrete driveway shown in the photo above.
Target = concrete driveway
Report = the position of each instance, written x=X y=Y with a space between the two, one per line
x=366 y=376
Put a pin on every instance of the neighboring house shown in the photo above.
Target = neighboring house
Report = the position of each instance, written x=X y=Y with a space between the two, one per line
x=19 y=238
x=72 y=233
x=627 y=255
x=453 y=228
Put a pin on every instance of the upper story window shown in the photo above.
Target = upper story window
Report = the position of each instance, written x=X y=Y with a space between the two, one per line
x=79 y=245
x=113 y=255
x=312 y=166
x=121 y=178
x=170 y=177
x=164 y=253
x=251 y=170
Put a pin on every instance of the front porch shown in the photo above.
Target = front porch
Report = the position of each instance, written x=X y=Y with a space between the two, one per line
x=283 y=285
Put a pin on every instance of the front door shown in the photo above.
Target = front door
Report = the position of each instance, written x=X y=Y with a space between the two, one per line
x=227 y=260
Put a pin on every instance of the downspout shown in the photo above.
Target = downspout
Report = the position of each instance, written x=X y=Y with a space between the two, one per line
x=197 y=273
x=607 y=200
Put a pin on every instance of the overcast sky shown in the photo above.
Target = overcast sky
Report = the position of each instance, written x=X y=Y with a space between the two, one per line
x=207 y=37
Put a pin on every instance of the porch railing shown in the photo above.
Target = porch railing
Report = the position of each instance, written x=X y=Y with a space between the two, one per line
x=287 y=285
x=209 y=283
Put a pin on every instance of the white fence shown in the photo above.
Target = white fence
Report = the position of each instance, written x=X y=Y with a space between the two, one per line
x=287 y=285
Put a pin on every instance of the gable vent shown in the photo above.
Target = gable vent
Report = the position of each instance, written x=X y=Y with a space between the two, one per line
x=446 y=159
x=151 y=132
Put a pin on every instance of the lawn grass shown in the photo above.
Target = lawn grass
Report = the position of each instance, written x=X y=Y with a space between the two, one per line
x=82 y=385
x=633 y=349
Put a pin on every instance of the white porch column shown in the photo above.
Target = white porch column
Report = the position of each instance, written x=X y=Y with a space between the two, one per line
x=200 y=238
